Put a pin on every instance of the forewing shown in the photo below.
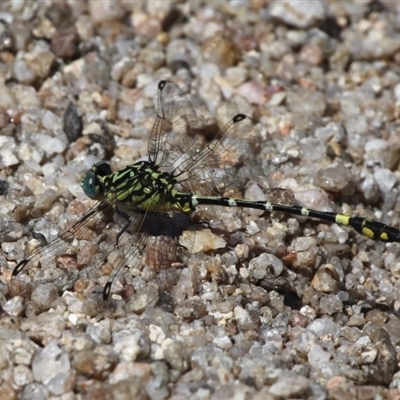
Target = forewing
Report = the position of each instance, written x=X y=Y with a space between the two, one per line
x=175 y=127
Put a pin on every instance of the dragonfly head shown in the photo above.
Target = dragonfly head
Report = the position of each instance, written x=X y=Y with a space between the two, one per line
x=93 y=184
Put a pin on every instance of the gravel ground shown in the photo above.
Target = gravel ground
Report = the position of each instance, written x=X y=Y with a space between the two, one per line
x=267 y=306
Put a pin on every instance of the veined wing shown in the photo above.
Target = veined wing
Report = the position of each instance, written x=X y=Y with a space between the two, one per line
x=175 y=144
x=219 y=167
x=79 y=230
x=175 y=127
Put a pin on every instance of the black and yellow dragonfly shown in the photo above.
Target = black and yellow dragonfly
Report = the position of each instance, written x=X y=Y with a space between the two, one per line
x=178 y=177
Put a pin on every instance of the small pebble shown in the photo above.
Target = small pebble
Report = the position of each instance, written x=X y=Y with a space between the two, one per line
x=301 y=15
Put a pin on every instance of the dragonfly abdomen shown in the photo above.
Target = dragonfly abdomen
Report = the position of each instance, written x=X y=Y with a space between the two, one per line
x=372 y=229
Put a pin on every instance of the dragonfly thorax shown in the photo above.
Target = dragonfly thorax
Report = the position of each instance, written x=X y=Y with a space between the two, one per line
x=142 y=185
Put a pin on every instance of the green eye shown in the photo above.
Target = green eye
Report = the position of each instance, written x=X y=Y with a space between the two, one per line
x=92 y=184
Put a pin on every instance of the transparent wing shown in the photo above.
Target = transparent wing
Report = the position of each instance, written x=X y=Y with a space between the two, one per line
x=79 y=230
x=219 y=168
x=175 y=145
x=175 y=127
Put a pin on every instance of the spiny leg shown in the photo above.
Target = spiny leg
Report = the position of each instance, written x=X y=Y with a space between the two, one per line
x=128 y=220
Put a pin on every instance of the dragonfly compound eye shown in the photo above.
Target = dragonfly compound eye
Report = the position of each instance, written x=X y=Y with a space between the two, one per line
x=92 y=183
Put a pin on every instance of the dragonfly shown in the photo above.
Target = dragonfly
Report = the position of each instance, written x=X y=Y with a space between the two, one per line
x=178 y=176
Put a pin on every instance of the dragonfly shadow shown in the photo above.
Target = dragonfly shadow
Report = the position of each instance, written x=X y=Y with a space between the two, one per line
x=160 y=224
